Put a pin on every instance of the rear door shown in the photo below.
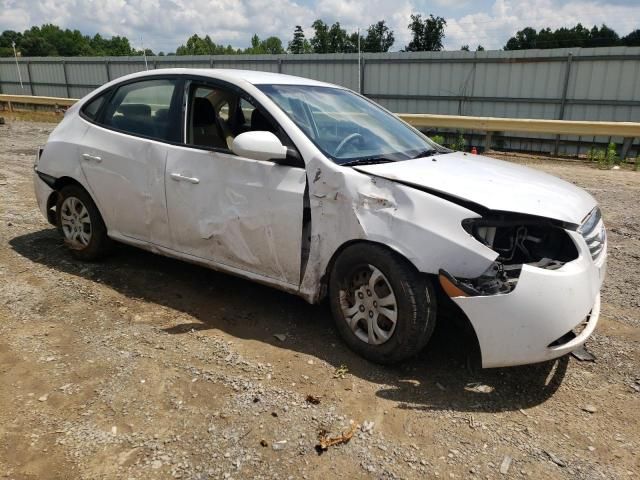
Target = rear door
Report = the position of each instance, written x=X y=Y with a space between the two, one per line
x=123 y=156
x=243 y=214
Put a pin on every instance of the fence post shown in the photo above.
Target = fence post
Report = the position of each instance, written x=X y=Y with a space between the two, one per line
x=362 y=77
x=488 y=141
x=29 y=75
x=279 y=65
x=563 y=100
x=106 y=66
x=626 y=145
x=66 y=80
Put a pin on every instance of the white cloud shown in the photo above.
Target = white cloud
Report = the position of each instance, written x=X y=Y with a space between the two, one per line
x=165 y=24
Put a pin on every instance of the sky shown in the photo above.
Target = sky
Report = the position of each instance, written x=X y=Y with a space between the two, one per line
x=163 y=25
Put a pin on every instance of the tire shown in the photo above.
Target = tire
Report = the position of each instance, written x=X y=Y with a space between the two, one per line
x=81 y=225
x=394 y=278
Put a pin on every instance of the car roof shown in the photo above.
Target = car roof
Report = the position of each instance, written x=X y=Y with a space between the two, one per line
x=253 y=77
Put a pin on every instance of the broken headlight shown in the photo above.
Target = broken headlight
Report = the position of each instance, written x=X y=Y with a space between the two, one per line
x=521 y=240
x=518 y=240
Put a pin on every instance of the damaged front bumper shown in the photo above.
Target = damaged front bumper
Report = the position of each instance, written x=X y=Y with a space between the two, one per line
x=43 y=191
x=548 y=314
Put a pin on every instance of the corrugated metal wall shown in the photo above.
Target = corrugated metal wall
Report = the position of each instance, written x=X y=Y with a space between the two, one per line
x=578 y=84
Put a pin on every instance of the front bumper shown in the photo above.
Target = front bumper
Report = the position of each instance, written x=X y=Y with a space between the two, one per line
x=520 y=327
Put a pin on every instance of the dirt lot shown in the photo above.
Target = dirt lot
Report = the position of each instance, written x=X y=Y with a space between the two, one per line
x=145 y=367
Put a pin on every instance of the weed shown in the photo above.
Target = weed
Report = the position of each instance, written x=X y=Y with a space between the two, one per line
x=604 y=158
x=439 y=139
x=459 y=143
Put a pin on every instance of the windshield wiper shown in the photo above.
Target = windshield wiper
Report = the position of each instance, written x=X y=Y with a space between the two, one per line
x=366 y=161
x=427 y=153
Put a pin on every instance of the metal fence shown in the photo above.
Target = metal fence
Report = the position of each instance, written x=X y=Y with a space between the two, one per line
x=596 y=84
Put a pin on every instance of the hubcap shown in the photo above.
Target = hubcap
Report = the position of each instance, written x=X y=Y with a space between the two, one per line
x=75 y=222
x=369 y=306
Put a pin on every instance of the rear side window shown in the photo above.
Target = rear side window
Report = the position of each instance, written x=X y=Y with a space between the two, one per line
x=92 y=108
x=144 y=108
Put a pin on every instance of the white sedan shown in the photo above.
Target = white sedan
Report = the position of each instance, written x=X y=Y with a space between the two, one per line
x=316 y=190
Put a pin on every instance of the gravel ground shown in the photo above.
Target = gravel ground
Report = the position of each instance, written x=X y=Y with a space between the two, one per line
x=146 y=367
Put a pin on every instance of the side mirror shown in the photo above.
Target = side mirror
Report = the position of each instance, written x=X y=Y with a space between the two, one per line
x=259 y=145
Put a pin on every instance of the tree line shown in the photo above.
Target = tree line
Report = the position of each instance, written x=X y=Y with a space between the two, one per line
x=578 y=36
x=427 y=34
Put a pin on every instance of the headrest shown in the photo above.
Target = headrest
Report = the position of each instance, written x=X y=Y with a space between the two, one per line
x=162 y=114
x=135 y=109
x=203 y=112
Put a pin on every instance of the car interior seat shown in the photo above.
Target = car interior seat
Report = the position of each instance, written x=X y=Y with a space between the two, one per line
x=134 y=118
x=205 y=129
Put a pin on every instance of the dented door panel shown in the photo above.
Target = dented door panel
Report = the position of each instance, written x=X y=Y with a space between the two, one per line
x=240 y=213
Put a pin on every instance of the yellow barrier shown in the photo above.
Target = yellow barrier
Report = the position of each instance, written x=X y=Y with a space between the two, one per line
x=497 y=124
x=12 y=100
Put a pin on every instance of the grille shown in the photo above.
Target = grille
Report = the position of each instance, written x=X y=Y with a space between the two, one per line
x=594 y=233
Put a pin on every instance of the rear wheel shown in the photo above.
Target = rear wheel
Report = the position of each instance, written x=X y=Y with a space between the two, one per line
x=81 y=224
x=383 y=308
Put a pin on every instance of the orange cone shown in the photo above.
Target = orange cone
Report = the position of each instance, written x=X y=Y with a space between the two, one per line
x=474 y=151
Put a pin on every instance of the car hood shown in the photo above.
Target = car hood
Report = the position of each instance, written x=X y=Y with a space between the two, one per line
x=491 y=183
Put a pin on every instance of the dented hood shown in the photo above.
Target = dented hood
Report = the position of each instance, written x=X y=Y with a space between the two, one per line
x=491 y=183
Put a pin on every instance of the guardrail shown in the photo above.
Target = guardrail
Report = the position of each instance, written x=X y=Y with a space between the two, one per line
x=627 y=130
x=12 y=100
x=497 y=124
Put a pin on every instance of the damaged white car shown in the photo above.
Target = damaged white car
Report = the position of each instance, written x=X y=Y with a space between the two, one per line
x=316 y=190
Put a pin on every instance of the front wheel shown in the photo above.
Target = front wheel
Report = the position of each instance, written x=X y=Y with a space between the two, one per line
x=384 y=309
x=81 y=224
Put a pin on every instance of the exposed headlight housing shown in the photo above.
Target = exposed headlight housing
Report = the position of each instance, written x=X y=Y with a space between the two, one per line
x=594 y=233
x=518 y=240
x=522 y=240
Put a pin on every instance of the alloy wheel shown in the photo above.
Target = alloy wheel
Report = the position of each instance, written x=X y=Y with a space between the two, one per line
x=75 y=222
x=369 y=305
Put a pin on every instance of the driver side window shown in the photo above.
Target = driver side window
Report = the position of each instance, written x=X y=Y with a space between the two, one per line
x=217 y=115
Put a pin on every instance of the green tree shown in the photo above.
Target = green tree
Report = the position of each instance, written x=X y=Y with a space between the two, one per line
x=299 y=44
x=272 y=45
x=464 y=48
x=427 y=34
x=256 y=45
x=603 y=37
x=480 y=48
x=320 y=40
x=200 y=46
x=378 y=39
x=524 y=39
x=632 y=40
x=577 y=36
x=339 y=41
x=6 y=40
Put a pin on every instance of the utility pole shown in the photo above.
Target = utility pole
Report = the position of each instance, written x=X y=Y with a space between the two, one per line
x=144 y=54
x=359 y=65
x=15 y=55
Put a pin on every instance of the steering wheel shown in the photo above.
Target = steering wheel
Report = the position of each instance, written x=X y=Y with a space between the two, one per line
x=347 y=139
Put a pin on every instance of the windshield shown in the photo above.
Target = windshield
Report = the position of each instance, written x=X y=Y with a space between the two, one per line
x=347 y=127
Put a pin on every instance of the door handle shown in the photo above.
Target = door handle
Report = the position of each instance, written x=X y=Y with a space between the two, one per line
x=178 y=177
x=94 y=158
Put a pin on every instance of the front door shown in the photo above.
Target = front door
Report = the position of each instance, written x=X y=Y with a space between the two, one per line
x=243 y=214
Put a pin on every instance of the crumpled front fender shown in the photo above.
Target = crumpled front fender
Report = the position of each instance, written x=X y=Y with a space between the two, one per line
x=347 y=205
